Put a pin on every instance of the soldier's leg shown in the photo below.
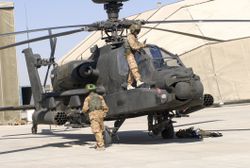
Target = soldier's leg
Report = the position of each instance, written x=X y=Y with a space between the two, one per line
x=95 y=127
x=135 y=73
x=130 y=81
x=102 y=124
x=99 y=139
x=130 y=78
x=137 y=76
x=133 y=67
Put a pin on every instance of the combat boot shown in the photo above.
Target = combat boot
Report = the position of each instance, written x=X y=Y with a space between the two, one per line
x=130 y=87
x=139 y=83
x=100 y=148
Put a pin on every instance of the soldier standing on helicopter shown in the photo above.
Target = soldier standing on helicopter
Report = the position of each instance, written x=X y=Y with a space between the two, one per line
x=131 y=46
x=96 y=108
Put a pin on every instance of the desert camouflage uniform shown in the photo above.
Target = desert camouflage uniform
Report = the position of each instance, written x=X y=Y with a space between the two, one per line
x=134 y=45
x=96 y=118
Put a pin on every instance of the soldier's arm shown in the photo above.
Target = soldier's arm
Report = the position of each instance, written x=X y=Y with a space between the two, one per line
x=134 y=43
x=85 y=107
x=104 y=105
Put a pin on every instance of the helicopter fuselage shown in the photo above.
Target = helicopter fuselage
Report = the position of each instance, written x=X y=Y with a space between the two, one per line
x=169 y=84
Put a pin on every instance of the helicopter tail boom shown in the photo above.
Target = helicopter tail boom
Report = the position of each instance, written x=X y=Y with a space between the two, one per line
x=36 y=87
x=11 y=108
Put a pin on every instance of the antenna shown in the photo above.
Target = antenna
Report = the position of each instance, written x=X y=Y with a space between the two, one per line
x=27 y=23
x=159 y=4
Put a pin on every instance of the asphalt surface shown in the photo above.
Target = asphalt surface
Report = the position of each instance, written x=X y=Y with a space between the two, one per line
x=64 y=148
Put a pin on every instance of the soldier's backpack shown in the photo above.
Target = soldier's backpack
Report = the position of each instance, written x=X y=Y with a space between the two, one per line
x=95 y=102
x=196 y=133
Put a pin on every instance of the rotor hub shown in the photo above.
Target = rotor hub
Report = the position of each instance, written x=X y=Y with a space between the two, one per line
x=113 y=9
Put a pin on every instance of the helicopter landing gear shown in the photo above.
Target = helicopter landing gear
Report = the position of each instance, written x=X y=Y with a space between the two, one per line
x=168 y=132
x=160 y=124
x=34 y=129
x=110 y=134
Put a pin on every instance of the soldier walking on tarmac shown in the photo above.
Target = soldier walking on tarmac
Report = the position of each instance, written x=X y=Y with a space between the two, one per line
x=96 y=108
x=131 y=46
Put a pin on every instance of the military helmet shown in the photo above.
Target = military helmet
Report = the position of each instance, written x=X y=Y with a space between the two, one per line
x=90 y=87
x=135 y=28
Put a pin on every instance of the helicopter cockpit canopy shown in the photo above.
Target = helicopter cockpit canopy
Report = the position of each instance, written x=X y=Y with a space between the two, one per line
x=160 y=58
x=150 y=58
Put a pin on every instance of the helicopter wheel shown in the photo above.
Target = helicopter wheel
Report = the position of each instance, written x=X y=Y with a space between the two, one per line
x=34 y=129
x=168 y=132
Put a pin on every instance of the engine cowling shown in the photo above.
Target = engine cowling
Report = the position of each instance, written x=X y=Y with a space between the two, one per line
x=74 y=75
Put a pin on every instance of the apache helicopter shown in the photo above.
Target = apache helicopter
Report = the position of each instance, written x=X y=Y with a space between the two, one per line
x=170 y=86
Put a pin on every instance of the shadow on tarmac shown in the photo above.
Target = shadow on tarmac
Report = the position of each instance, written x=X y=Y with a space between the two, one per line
x=137 y=137
x=62 y=144
x=195 y=123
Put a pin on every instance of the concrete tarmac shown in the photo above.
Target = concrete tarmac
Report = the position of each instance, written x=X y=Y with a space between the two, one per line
x=72 y=148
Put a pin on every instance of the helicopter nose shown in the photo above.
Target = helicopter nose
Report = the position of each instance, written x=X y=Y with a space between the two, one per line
x=189 y=90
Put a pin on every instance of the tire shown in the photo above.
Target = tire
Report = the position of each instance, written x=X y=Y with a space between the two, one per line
x=168 y=132
x=34 y=130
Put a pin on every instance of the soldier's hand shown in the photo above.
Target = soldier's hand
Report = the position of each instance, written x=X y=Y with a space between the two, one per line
x=142 y=52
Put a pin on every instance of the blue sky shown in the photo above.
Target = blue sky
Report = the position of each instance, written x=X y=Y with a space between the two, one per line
x=48 y=13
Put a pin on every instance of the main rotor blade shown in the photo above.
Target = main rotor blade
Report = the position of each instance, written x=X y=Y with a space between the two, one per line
x=185 y=34
x=41 y=29
x=200 y=21
x=23 y=107
x=45 y=37
x=52 y=56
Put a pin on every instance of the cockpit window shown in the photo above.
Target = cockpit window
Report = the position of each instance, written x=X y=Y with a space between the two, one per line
x=162 y=58
x=153 y=57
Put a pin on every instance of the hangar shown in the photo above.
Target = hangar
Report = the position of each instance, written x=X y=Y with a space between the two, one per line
x=223 y=66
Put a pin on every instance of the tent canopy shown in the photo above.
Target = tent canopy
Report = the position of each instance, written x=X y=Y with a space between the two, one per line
x=222 y=66
x=188 y=9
